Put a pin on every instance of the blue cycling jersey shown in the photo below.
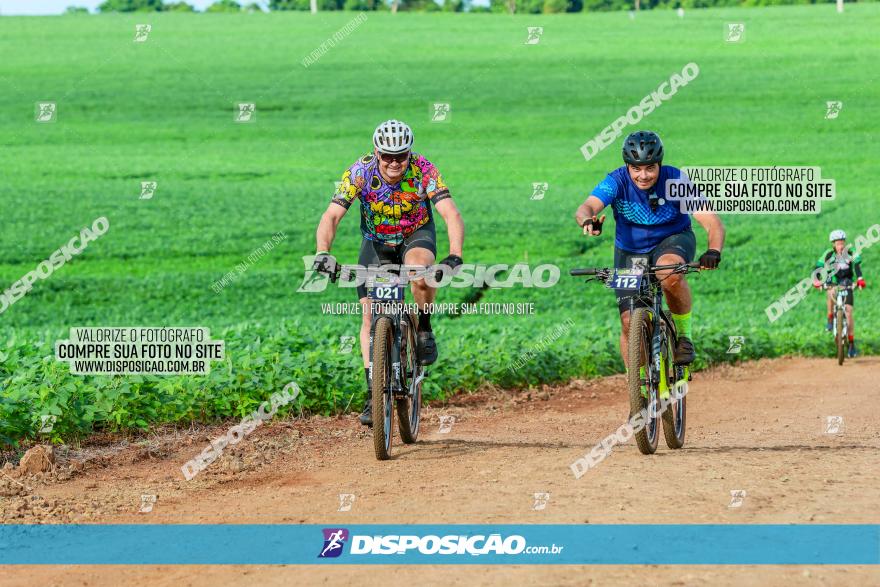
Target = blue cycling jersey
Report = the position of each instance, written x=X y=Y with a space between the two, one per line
x=639 y=228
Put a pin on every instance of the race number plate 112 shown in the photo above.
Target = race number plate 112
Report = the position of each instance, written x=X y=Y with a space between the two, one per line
x=626 y=279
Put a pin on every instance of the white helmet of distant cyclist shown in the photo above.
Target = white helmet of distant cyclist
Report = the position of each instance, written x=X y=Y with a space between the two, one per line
x=837 y=235
x=393 y=137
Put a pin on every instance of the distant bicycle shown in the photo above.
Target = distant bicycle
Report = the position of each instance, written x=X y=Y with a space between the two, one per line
x=396 y=374
x=839 y=321
x=651 y=373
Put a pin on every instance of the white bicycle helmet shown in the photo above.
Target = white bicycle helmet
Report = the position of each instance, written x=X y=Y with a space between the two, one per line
x=837 y=235
x=393 y=137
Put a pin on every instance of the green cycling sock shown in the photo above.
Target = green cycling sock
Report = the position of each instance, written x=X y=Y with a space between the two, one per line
x=682 y=324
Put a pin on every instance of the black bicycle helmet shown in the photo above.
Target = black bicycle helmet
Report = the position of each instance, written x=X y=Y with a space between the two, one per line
x=642 y=147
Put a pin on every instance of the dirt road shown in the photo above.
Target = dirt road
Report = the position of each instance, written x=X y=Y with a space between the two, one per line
x=760 y=427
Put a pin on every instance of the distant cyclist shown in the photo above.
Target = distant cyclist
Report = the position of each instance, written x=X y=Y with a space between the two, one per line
x=396 y=188
x=844 y=265
x=652 y=228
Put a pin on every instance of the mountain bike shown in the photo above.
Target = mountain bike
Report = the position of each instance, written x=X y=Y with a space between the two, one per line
x=840 y=328
x=651 y=372
x=395 y=373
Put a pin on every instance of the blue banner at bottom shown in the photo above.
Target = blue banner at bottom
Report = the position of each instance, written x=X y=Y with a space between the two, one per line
x=684 y=544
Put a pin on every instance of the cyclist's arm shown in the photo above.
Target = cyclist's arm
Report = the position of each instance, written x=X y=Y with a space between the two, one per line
x=454 y=224
x=592 y=206
x=856 y=264
x=436 y=190
x=327 y=226
x=713 y=227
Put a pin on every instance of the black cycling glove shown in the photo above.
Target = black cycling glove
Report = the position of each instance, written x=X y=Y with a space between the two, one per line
x=710 y=259
x=452 y=261
x=594 y=224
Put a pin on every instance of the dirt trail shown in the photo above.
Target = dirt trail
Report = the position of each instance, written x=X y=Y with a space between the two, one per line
x=758 y=427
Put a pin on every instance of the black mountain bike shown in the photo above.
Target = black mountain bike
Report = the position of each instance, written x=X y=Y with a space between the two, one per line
x=651 y=372
x=396 y=375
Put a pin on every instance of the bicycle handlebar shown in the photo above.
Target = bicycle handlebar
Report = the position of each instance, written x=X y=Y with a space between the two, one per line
x=682 y=267
x=337 y=272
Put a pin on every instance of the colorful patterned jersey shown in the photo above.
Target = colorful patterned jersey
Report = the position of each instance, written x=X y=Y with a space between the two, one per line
x=639 y=228
x=391 y=212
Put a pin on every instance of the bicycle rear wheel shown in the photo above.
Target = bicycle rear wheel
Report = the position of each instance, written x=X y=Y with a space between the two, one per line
x=409 y=408
x=383 y=403
x=640 y=375
x=839 y=336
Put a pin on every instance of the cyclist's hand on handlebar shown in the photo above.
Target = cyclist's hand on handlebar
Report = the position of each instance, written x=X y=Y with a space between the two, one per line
x=861 y=283
x=710 y=259
x=593 y=226
x=451 y=261
x=324 y=263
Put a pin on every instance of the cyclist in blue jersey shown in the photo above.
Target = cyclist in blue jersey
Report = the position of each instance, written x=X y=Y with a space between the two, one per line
x=652 y=229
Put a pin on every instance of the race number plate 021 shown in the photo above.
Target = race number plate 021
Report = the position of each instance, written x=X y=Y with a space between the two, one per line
x=625 y=279
x=387 y=292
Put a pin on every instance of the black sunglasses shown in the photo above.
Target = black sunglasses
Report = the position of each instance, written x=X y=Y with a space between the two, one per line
x=388 y=158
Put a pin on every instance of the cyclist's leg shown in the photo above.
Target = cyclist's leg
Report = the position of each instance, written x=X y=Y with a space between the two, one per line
x=675 y=249
x=420 y=249
x=624 y=335
x=369 y=255
x=675 y=286
x=829 y=297
x=423 y=293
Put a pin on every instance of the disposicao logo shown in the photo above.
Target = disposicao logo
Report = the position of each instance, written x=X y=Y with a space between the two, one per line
x=334 y=540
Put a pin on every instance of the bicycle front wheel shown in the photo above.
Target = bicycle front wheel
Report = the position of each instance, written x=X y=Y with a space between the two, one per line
x=642 y=390
x=840 y=336
x=383 y=403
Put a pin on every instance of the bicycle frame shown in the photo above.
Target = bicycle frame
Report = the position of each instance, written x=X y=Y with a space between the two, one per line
x=395 y=311
x=840 y=304
x=651 y=294
x=380 y=310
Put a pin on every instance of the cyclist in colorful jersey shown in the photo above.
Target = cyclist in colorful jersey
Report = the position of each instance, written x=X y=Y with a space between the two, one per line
x=396 y=189
x=844 y=264
x=653 y=230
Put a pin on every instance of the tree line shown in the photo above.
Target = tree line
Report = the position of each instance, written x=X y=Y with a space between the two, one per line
x=512 y=6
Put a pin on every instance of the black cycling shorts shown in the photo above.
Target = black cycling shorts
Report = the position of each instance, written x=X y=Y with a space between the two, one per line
x=683 y=244
x=377 y=253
